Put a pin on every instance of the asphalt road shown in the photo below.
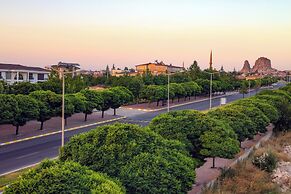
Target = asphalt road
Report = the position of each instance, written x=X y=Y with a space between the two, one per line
x=26 y=153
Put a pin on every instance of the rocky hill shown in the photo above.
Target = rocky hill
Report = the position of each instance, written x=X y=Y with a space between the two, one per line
x=262 y=65
x=246 y=68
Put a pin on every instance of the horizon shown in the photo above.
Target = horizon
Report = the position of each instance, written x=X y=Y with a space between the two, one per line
x=99 y=33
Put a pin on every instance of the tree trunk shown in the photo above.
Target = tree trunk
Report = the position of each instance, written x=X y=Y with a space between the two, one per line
x=185 y=98
x=65 y=121
x=86 y=117
x=178 y=99
x=213 y=162
x=189 y=98
x=172 y=100
x=114 y=111
x=243 y=95
x=158 y=103
x=102 y=114
x=17 y=129
x=41 y=125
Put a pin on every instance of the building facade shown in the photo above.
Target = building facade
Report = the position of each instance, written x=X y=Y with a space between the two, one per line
x=158 y=68
x=12 y=73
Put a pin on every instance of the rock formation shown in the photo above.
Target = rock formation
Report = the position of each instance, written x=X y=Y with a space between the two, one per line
x=262 y=65
x=246 y=68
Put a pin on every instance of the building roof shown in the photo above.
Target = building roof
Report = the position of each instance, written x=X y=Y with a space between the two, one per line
x=160 y=64
x=21 y=67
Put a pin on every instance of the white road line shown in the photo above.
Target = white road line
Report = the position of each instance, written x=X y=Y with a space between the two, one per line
x=27 y=155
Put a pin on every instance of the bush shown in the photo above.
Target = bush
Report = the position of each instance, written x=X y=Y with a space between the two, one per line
x=165 y=171
x=266 y=161
x=258 y=118
x=108 y=148
x=185 y=126
x=68 y=177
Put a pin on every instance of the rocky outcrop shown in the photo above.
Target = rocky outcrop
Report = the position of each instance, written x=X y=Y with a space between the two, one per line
x=246 y=68
x=262 y=65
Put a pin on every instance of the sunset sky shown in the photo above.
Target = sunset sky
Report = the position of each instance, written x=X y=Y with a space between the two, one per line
x=129 y=32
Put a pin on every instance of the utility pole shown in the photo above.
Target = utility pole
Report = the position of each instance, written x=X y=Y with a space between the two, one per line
x=63 y=107
x=249 y=88
x=168 y=92
x=210 y=95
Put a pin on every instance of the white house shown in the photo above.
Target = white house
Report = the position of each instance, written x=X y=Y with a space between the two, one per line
x=12 y=73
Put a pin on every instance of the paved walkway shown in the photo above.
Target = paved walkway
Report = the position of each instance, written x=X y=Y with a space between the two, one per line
x=205 y=174
x=7 y=131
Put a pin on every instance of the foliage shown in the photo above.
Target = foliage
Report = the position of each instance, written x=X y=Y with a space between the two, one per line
x=68 y=177
x=24 y=88
x=239 y=122
x=27 y=109
x=219 y=141
x=8 y=108
x=108 y=148
x=49 y=104
x=1 y=88
x=121 y=96
x=92 y=100
x=165 y=171
x=267 y=161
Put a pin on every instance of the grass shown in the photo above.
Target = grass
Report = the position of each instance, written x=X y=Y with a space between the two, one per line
x=246 y=178
x=9 y=178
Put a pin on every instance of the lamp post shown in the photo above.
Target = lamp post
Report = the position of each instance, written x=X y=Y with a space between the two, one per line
x=168 y=108
x=210 y=89
x=62 y=75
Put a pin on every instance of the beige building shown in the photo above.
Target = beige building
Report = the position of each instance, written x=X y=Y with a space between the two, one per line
x=158 y=68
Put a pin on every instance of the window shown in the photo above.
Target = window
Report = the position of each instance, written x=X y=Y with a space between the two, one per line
x=40 y=76
x=20 y=76
x=31 y=76
x=8 y=75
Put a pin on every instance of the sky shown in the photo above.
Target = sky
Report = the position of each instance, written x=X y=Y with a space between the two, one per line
x=95 y=33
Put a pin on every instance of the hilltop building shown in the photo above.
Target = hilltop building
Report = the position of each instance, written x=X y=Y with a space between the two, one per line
x=11 y=73
x=66 y=67
x=158 y=68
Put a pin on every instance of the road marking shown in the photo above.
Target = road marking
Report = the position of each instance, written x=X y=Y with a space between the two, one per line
x=56 y=132
x=27 y=155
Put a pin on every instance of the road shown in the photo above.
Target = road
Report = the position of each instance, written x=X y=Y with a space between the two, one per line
x=18 y=155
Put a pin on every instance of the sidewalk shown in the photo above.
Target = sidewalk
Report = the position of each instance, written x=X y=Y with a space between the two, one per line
x=153 y=106
x=205 y=174
x=31 y=129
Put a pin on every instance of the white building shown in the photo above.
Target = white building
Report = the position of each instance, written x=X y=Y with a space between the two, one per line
x=12 y=73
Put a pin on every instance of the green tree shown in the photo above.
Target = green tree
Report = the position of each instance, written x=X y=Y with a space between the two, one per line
x=106 y=96
x=135 y=85
x=244 y=89
x=24 y=87
x=1 y=88
x=108 y=148
x=49 y=104
x=27 y=109
x=239 y=122
x=153 y=93
x=194 y=71
x=93 y=100
x=165 y=171
x=8 y=108
x=55 y=177
x=219 y=142
x=121 y=96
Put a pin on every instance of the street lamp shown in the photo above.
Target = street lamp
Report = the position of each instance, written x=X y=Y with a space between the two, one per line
x=210 y=89
x=62 y=75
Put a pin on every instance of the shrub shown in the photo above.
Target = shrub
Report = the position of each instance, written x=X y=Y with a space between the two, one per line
x=108 y=148
x=270 y=111
x=258 y=118
x=165 y=171
x=266 y=161
x=186 y=126
x=68 y=177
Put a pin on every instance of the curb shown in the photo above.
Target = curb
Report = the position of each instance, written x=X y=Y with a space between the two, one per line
x=177 y=105
x=56 y=132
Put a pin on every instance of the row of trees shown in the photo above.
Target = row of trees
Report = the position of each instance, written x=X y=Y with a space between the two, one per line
x=43 y=105
x=160 y=158
x=157 y=93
